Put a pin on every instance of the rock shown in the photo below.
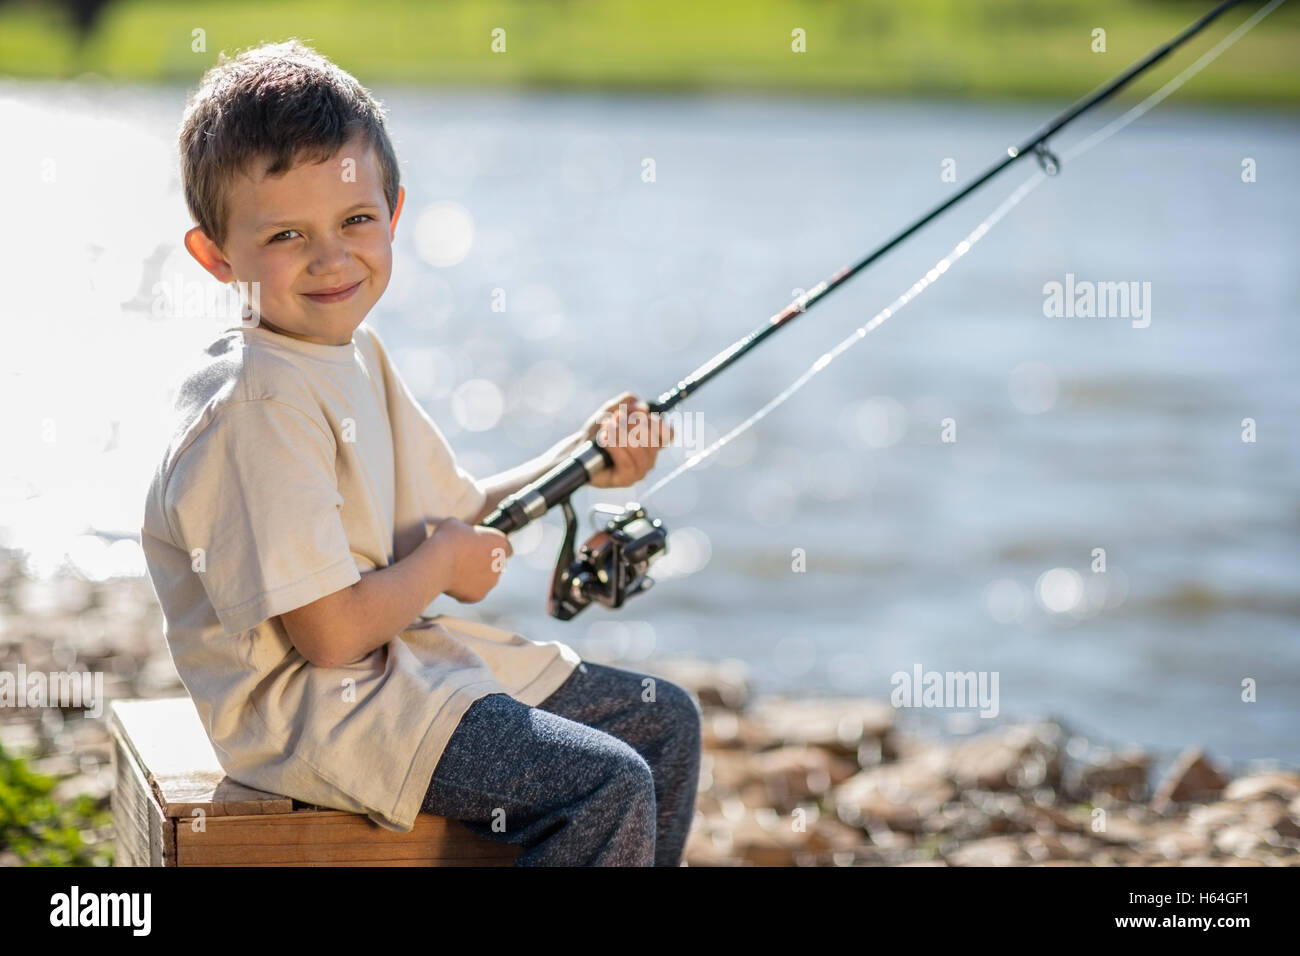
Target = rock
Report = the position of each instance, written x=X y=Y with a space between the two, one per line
x=1214 y=816
x=760 y=838
x=839 y=725
x=1113 y=856
x=1177 y=843
x=887 y=840
x=995 y=803
x=1078 y=846
x=1120 y=830
x=906 y=746
x=800 y=774
x=990 y=813
x=958 y=821
x=1043 y=847
x=830 y=835
x=899 y=795
x=991 y=851
x=1192 y=778
x=1021 y=756
x=724 y=772
x=753 y=794
x=1237 y=840
x=723 y=729
x=1284 y=786
x=1064 y=863
x=709 y=844
x=1271 y=817
x=707 y=803
x=714 y=683
x=1121 y=777
x=1054 y=818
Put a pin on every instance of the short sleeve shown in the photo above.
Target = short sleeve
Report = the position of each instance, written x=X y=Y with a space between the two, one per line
x=464 y=497
x=447 y=489
x=257 y=492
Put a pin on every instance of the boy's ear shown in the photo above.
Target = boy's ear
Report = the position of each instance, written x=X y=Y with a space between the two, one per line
x=401 y=196
x=209 y=255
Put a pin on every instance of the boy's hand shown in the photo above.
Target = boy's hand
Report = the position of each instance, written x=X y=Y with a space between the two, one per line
x=631 y=434
x=476 y=556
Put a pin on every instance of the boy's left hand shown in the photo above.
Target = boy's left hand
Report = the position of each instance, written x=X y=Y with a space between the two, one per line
x=631 y=434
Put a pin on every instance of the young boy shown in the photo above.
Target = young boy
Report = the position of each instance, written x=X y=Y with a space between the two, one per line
x=307 y=510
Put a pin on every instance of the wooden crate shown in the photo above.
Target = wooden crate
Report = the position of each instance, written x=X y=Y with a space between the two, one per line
x=165 y=769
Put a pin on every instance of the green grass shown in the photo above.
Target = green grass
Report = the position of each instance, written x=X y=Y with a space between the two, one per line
x=41 y=832
x=964 y=48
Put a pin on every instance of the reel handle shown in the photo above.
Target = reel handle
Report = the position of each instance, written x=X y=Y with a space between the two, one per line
x=533 y=501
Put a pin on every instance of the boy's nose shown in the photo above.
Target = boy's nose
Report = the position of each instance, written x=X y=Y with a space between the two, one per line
x=328 y=253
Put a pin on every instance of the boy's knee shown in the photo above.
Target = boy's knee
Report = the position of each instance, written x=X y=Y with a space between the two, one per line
x=631 y=776
x=687 y=718
x=631 y=810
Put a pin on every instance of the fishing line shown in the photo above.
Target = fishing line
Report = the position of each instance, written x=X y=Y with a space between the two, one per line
x=612 y=565
x=941 y=267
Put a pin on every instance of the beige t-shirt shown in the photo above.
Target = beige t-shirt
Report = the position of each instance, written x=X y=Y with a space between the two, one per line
x=293 y=468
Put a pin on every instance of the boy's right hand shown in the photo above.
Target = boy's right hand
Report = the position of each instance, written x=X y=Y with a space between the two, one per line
x=476 y=558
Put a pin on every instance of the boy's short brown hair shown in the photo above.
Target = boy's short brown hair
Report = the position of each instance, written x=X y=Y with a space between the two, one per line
x=283 y=102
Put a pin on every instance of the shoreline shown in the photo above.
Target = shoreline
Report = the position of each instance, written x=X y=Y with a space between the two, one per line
x=785 y=779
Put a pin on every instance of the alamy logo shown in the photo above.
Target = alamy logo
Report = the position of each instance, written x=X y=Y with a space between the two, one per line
x=946 y=689
x=54 y=689
x=1098 y=300
x=102 y=909
x=185 y=299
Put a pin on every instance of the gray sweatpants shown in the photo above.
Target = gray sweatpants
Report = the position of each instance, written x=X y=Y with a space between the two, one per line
x=602 y=773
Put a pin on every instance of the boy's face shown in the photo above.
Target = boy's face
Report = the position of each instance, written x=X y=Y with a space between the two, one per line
x=317 y=240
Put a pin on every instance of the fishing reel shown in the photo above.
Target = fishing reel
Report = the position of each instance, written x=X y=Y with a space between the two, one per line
x=611 y=566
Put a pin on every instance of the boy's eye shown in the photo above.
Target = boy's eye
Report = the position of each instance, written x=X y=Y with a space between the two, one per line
x=276 y=237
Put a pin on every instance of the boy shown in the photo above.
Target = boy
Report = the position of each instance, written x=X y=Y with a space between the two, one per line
x=307 y=510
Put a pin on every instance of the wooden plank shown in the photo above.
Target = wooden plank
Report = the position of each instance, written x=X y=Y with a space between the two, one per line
x=334 y=837
x=339 y=854
x=332 y=826
x=167 y=739
x=168 y=841
x=142 y=835
x=128 y=805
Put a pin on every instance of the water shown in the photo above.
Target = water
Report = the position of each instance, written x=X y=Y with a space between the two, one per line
x=1072 y=434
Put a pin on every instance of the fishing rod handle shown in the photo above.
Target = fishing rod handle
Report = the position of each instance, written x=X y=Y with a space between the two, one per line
x=531 y=502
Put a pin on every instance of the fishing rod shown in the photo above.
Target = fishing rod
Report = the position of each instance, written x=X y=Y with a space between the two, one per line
x=612 y=566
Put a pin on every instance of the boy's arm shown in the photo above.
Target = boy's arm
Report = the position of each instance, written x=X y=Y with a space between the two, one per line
x=348 y=624
x=504 y=484
x=633 y=438
x=342 y=627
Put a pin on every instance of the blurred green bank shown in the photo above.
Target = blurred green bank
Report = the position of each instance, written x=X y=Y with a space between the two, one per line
x=944 y=48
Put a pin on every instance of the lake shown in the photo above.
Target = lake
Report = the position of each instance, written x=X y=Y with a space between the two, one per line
x=942 y=497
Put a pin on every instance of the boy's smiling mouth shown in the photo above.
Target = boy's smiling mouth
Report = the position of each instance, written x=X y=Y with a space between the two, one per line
x=334 y=294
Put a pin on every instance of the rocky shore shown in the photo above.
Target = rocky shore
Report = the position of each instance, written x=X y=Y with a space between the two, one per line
x=835 y=782
x=784 y=782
